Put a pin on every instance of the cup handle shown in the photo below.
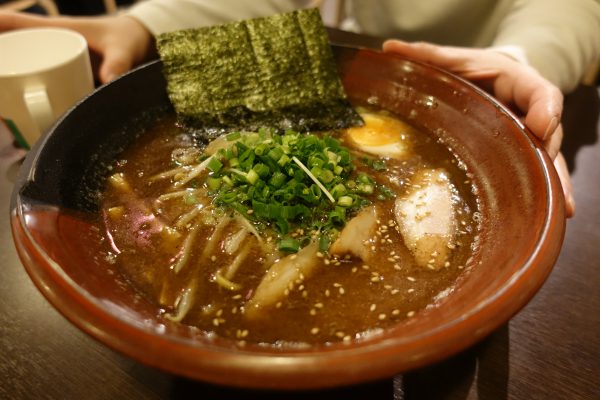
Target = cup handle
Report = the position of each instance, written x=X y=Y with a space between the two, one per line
x=39 y=107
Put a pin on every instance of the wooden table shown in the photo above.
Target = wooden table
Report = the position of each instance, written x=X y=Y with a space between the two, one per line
x=550 y=350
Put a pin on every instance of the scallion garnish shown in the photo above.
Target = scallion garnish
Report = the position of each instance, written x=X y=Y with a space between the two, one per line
x=299 y=185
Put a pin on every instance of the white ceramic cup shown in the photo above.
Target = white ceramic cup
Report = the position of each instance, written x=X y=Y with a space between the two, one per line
x=43 y=72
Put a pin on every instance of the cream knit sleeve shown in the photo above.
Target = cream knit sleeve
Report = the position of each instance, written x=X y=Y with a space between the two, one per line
x=560 y=38
x=160 y=16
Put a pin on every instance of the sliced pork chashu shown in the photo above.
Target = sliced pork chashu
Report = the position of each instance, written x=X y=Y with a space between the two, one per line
x=426 y=217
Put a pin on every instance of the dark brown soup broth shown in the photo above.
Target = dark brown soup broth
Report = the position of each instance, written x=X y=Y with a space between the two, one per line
x=345 y=299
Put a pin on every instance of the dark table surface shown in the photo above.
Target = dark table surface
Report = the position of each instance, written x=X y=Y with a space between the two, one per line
x=550 y=350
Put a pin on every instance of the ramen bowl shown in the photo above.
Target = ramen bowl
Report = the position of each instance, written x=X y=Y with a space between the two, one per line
x=520 y=201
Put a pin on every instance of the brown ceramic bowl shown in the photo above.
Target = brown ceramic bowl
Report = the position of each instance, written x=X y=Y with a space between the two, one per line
x=521 y=202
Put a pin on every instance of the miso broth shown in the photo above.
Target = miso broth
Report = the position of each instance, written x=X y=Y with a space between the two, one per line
x=201 y=262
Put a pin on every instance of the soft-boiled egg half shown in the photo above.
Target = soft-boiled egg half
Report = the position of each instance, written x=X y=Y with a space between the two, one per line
x=381 y=135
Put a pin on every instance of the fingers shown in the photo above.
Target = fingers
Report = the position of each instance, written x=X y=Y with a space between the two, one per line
x=513 y=83
x=125 y=43
x=115 y=63
x=540 y=100
x=461 y=61
x=563 y=173
x=553 y=142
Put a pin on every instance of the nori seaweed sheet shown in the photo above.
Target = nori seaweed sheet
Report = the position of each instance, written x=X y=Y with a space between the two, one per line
x=276 y=71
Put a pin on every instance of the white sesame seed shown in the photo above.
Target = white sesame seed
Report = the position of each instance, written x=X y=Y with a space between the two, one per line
x=314 y=330
x=373 y=307
x=410 y=314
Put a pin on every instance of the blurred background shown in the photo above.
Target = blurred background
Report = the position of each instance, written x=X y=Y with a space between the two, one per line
x=70 y=7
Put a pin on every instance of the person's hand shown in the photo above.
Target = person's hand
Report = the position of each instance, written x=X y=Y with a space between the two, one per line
x=119 y=42
x=513 y=83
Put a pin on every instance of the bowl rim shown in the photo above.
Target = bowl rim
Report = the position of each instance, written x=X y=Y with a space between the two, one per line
x=275 y=367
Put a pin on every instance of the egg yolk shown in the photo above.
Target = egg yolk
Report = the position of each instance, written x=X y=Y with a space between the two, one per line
x=380 y=135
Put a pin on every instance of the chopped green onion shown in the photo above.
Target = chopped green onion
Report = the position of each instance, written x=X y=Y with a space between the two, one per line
x=338 y=190
x=234 y=162
x=252 y=176
x=364 y=188
x=213 y=183
x=280 y=181
x=315 y=180
x=277 y=179
x=261 y=169
x=324 y=243
x=345 y=201
x=214 y=164
x=233 y=136
x=275 y=153
x=283 y=160
x=289 y=245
